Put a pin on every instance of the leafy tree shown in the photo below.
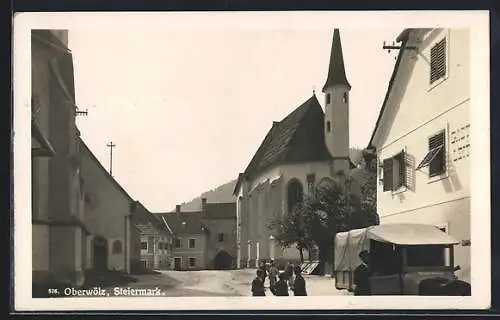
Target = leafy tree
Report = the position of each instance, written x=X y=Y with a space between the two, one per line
x=333 y=207
x=291 y=230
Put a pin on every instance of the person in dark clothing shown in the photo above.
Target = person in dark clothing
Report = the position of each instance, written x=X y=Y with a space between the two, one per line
x=280 y=288
x=289 y=274
x=263 y=268
x=258 y=285
x=273 y=274
x=362 y=276
x=299 y=284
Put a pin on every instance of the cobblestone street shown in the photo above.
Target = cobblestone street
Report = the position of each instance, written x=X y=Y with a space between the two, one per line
x=220 y=283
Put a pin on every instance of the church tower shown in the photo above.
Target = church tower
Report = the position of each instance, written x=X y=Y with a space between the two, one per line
x=336 y=90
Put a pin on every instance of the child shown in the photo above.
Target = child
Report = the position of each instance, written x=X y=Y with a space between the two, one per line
x=280 y=288
x=258 y=285
x=299 y=284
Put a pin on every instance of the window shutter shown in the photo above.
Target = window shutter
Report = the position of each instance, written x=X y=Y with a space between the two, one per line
x=438 y=165
x=438 y=61
x=387 y=174
x=402 y=169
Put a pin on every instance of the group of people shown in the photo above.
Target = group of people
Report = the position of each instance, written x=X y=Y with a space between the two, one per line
x=279 y=282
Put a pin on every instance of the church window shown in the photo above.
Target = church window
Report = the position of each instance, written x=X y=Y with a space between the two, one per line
x=220 y=237
x=294 y=194
x=117 y=246
x=327 y=98
x=345 y=98
x=328 y=126
x=438 y=61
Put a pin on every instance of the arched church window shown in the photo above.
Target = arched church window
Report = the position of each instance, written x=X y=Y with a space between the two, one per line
x=295 y=194
x=328 y=126
x=117 y=246
x=327 y=98
x=345 y=99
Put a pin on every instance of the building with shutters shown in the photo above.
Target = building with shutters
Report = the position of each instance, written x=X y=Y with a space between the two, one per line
x=203 y=239
x=156 y=240
x=422 y=137
x=299 y=152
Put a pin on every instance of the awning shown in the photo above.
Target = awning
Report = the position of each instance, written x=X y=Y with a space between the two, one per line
x=410 y=234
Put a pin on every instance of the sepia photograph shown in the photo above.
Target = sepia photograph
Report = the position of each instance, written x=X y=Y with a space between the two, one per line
x=200 y=161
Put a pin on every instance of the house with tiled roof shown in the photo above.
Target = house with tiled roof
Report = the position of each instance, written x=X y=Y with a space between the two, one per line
x=422 y=138
x=156 y=240
x=304 y=149
x=202 y=239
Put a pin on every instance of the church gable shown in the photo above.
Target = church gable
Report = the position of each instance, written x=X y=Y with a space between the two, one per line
x=299 y=137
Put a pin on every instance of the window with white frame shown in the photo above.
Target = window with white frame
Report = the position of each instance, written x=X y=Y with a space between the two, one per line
x=394 y=172
x=192 y=243
x=192 y=262
x=435 y=158
x=438 y=61
x=178 y=243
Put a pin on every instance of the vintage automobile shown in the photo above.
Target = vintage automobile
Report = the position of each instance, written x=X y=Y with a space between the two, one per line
x=404 y=259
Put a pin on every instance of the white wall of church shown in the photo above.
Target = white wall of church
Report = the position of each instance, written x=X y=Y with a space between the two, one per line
x=262 y=204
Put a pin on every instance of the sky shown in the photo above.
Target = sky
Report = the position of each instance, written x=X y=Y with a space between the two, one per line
x=188 y=108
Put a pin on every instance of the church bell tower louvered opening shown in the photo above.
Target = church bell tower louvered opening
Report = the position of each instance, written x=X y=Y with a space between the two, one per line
x=336 y=90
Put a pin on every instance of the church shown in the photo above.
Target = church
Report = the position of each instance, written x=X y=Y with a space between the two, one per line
x=299 y=152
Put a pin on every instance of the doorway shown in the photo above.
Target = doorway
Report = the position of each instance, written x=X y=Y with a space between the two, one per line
x=223 y=261
x=177 y=264
x=100 y=254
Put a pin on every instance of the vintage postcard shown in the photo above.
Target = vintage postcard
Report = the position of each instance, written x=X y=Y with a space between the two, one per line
x=251 y=160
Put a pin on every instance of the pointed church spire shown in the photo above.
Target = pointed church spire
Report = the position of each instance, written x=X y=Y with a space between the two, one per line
x=336 y=70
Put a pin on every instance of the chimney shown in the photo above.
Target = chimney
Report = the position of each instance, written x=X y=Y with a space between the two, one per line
x=204 y=207
x=178 y=209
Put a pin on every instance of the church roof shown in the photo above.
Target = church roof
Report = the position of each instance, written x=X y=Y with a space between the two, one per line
x=336 y=70
x=299 y=137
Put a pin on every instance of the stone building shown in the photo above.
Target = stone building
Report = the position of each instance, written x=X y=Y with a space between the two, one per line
x=58 y=229
x=299 y=152
x=204 y=239
x=156 y=240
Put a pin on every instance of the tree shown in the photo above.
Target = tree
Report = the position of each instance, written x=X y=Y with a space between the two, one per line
x=333 y=207
x=290 y=230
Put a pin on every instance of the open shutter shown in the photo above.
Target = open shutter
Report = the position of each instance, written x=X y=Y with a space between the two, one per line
x=437 y=165
x=387 y=174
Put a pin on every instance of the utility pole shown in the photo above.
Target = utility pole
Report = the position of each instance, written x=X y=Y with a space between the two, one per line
x=111 y=145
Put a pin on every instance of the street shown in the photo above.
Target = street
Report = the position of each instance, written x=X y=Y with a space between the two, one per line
x=216 y=283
